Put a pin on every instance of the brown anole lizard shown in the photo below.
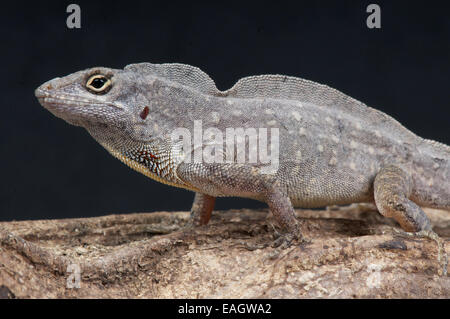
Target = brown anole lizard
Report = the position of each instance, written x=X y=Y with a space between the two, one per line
x=325 y=147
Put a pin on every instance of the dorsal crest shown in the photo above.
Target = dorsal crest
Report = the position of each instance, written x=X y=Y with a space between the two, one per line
x=260 y=86
x=183 y=74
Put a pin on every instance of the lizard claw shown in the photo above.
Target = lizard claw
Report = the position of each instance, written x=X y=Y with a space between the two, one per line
x=190 y=224
x=283 y=241
x=286 y=240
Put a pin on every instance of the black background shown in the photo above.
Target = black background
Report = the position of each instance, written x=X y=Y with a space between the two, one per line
x=50 y=169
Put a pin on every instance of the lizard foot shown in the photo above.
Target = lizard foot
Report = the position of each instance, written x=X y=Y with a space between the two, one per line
x=429 y=234
x=286 y=240
x=283 y=241
x=190 y=224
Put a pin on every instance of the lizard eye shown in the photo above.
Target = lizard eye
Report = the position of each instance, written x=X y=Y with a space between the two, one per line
x=98 y=84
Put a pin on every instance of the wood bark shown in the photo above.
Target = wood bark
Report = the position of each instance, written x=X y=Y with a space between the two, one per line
x=353 y=253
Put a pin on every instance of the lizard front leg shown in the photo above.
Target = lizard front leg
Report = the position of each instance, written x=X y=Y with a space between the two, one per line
x=281 y=207
x=392 y=188
x=241 y=181
x=201 y=210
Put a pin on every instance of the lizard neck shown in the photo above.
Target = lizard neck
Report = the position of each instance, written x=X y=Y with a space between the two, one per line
x=153 y=159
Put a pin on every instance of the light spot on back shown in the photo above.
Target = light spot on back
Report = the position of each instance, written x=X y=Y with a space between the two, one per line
x=333 y=161
x=302 y=131
x=320 y=148
x=269 y=111
x=353 y=144
x=272 y=122
x=237 y=112
x=296 y=115
x=298 y=155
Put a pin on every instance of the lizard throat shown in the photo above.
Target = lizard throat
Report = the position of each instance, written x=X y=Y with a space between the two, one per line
x=157 y=165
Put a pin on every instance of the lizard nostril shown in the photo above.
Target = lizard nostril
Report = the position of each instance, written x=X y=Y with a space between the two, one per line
x=49 y=87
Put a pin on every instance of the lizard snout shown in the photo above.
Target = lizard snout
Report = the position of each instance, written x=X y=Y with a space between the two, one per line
x=45 y=89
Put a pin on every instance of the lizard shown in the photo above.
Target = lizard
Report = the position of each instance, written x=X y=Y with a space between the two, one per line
x=331 y=149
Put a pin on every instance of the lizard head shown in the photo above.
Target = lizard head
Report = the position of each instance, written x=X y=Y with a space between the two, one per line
x=137 y=104
x=86 y=98
x=118 y=108
x=104 y=101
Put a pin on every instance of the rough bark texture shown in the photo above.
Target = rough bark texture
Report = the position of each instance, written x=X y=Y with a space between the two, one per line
x=353 y=253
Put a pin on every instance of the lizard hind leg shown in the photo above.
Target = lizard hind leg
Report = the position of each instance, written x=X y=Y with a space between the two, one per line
x=392 y=189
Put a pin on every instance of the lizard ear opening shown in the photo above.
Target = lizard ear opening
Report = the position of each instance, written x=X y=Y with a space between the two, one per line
x=144 y=113
x=98 y=84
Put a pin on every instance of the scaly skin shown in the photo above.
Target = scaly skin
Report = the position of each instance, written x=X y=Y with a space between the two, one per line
x=332 y=148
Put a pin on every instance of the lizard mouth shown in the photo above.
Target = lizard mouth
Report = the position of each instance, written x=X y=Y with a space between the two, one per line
x=76 y=109
x=48 y=95
x=52 y=100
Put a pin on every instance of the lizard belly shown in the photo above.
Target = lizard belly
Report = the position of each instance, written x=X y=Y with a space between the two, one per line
x=335 y=186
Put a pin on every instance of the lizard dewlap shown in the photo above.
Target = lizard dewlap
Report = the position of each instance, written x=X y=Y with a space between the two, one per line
x=282 y=140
